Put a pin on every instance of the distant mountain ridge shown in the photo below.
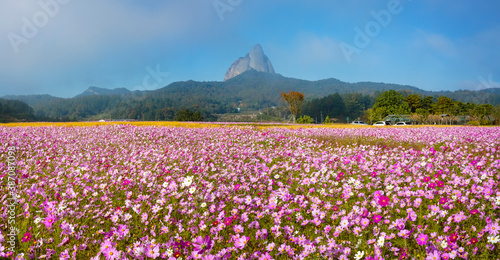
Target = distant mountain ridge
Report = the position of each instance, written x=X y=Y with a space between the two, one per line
x=91 y=91
x=251 y=89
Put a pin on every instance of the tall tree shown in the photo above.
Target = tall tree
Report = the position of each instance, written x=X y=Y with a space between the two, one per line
x=390 y=102
x=414 y=101
x=444 y=105
x=293 y=101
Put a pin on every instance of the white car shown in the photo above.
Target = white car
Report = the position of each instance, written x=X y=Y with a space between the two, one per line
x=402 y=124
x=358 y=123
x=380 y=123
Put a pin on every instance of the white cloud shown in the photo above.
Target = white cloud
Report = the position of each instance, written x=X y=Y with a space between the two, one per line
x=437 y=42
x=314 y=49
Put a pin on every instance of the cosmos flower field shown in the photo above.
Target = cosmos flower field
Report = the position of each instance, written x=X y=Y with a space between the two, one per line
x=244 y=192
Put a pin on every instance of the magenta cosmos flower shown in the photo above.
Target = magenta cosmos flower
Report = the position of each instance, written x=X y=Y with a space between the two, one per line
x=228 y=221
x=377 y=218
x=453 y=237
x=422 y=239
x=383 y=201
x=26 y=237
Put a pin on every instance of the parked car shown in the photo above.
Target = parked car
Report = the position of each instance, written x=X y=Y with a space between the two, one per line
x=380 y=123
x=402 y=124
x=358 y=123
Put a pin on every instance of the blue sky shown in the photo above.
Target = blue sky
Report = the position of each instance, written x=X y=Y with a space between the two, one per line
x=61 y=47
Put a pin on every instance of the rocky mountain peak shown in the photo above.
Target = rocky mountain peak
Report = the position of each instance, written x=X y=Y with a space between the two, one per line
x=255 y=59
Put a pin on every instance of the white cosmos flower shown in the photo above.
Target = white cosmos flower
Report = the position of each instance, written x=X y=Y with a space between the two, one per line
x=276 y=176
x=493 y=239
x=380 y=242
x=359 y=255
x=444 y=244
x=344 y=223
x=192 y=190
x=203 y=204
x=37 y=220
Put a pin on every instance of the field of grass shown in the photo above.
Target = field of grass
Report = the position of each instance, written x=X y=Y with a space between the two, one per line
x=175 y=190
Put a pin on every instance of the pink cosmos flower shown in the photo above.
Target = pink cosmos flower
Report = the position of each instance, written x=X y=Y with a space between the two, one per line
x=241 y=242
x=64 y=255
x=238 y=229
x=365 y=222
x=434 y=256
x=412 y=215
x=106 y=245
x=377 y=194
x=493 y=228
x=422 y=239
x=202 y=245
x=327 y=229
x=152 y=252
x=111 y=254
x=49 y=220
x=265 y=256
x=123 y=230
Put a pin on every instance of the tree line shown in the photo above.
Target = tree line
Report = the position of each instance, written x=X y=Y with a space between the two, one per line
x=15 y=110
x=417 y=108
x=180 y=106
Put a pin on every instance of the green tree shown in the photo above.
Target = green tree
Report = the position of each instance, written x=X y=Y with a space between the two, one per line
x=328 y=120
x=444 y=105
x=188 y=115
x=414 y=101
x=481 y=112
x=293 y=101
x=390 y=102
x=496 y=114
x=305 y=120
x=331 y=105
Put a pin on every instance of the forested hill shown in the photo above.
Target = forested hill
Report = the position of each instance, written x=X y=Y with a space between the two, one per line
x=249 y=90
